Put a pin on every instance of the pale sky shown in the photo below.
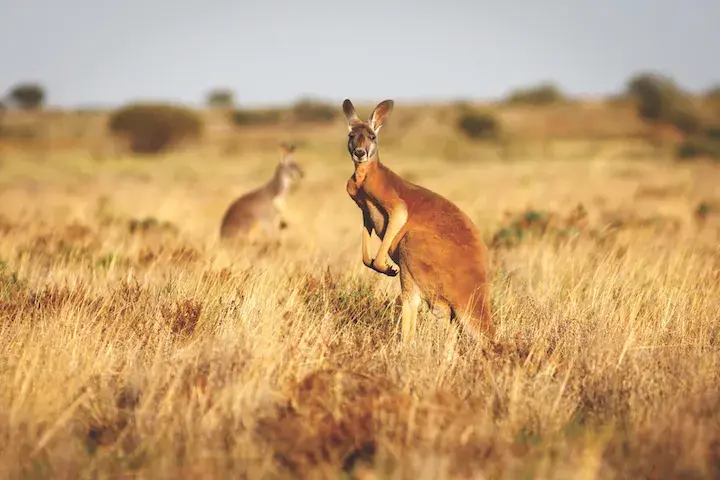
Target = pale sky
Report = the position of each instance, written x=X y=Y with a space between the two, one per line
x=100 y=53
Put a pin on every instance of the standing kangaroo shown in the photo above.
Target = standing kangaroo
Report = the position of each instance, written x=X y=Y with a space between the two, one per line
x=261 y=211
x=435 y=247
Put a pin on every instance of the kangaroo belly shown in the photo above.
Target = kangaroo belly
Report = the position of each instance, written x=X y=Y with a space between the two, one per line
x=245 y=215
x=379 y=219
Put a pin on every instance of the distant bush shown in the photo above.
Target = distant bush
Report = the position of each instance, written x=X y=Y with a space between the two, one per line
x=153 y=128
x=313 y=111
x=655 y=95
x=545 y=93
x=27 y=96
x=221 y=98
x=479 y=125
x=243 y=117
x=659 y=100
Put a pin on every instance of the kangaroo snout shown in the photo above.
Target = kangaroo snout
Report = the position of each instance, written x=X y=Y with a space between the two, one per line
x=359 y=152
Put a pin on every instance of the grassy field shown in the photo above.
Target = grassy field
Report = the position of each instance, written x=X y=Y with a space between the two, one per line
x=150 y=350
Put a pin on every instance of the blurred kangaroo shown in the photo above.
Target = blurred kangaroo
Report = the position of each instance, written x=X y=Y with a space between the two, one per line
x=429 y=241
x=261 y=211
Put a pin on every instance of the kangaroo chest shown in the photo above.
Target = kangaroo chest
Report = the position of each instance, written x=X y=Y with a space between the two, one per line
x=368 y=206
x=279 y=203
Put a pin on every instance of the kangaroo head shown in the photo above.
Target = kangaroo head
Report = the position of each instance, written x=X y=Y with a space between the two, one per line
x=362 y=140
x=288 y=171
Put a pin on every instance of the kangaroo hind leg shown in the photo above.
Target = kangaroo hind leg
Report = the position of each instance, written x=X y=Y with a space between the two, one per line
x=411 y=299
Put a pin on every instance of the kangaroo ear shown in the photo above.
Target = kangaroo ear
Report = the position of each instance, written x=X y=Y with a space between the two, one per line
x=286 y=148
x=350 y=113
x=380 y=114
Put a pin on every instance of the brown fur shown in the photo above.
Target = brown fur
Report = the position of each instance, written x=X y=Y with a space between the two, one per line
x=436 y=248
x=259 y=212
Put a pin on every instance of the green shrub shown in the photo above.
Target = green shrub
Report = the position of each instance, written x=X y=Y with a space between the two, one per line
x=533 y=224
x=27 y=96
x=221 y=98
x=659 y=100
x=545 y=93
x=479 y=125
x=245 y=117
x=313 y=111
x=153 y=128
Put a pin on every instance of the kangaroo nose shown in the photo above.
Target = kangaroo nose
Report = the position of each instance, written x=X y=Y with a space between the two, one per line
x=359 y=152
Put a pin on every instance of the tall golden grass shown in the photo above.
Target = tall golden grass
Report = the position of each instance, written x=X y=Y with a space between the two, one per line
x=147 y=349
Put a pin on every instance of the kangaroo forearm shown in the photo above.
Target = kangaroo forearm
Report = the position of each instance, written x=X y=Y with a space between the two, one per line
x=397 y=219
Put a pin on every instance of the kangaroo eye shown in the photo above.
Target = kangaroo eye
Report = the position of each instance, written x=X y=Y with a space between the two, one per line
x=372 y=138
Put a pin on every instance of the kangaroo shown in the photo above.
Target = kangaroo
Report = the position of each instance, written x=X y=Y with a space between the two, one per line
x=427 y=239
x=261 y=211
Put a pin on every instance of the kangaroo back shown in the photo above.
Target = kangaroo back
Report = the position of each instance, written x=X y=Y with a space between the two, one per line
x=260 y=211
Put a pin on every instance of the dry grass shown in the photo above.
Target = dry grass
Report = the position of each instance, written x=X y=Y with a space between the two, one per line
x=147 y=349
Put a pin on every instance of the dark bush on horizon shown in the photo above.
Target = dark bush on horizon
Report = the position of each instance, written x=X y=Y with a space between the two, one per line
x=155 y=128
x=313 y=111
x=247 y=117
x=545 y=93
x=659 y=100
x=220 y=98
x=478 y=125
x=27 y=96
